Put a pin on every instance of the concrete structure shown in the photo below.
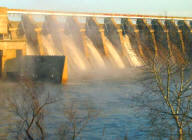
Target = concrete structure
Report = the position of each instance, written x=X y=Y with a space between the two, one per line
x=14 y=37
x=150 y=36
x=37 y=68
x=11 y=45
x=94 y=31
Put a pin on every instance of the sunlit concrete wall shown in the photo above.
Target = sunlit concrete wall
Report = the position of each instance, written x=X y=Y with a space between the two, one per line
x=10 y=44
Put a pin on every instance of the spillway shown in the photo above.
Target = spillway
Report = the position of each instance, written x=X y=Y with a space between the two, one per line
x=97 y=42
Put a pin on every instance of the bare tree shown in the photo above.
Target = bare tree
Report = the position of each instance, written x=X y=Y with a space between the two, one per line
x=76 y=120
x=168 y=97
x=29 y=109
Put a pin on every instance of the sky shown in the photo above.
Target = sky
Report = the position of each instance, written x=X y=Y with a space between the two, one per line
x=151 y=7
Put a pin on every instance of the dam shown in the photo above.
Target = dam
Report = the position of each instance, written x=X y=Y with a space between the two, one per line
x=94 y=76
x=87 y=41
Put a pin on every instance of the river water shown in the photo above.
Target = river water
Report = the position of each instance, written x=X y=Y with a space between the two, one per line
x=118 y=116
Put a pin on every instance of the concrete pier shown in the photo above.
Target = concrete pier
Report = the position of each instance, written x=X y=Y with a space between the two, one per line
x=94 y=32
x=176 y=41
x=133 y=33
x=146 y=40
x=73 y=28
x=187 y=37
x=111 y=32
x=160 y=34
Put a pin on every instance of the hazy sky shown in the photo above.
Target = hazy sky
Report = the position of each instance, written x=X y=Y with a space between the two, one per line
x=157 y=7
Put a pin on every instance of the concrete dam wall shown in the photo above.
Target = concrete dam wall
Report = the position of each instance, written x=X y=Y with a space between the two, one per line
x=93 y=42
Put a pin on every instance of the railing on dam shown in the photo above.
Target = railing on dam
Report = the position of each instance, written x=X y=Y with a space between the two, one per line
x=84 y=14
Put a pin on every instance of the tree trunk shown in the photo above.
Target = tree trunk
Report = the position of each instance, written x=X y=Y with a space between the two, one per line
x=180 y=133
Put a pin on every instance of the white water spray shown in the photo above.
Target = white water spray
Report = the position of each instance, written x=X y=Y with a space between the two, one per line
x=113 y=54
x=130 y=54
x=94 y=56
x=75 y=56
